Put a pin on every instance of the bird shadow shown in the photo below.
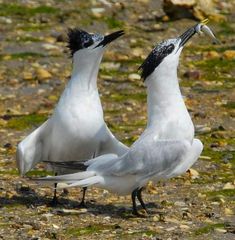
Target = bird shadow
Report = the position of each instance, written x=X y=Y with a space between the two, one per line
x=119 y=211
x=28 y=197
x=31 y=199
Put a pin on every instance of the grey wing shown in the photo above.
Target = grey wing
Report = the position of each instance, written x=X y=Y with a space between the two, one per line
x=29 y=151
x=112 y=145
x=149 y=157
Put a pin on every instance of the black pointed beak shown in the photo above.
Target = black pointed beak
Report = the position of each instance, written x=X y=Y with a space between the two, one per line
x=187 y=35
x=111 y=37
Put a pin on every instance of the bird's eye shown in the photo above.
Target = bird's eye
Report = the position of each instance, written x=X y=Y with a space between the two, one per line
x=170 y=48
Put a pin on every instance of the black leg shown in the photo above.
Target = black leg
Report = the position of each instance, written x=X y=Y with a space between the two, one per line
x=82 y=203
x=139 y=196
x=54 y=201
x=134 y=208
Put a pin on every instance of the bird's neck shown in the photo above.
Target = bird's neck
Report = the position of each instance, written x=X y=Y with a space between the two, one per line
x=164 y=96
x=85 y=70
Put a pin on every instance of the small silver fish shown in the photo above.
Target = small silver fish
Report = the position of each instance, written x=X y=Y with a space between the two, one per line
x=202 y=28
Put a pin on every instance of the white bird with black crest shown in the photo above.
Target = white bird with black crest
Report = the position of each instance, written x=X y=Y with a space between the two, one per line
x=76 y=130
x=167 y=147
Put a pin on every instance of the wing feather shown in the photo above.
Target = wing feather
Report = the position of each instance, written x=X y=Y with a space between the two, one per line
x=149 y=157
x=29 y=151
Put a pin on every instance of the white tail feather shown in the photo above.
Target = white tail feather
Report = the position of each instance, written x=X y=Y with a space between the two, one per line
x=68 y=178
x=85 y=182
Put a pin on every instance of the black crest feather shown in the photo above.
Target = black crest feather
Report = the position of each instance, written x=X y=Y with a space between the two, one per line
x=155 y=58
x=78 y=39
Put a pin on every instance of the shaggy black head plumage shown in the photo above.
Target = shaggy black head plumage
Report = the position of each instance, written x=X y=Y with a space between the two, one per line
x=155 y=58
x=78 y=39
